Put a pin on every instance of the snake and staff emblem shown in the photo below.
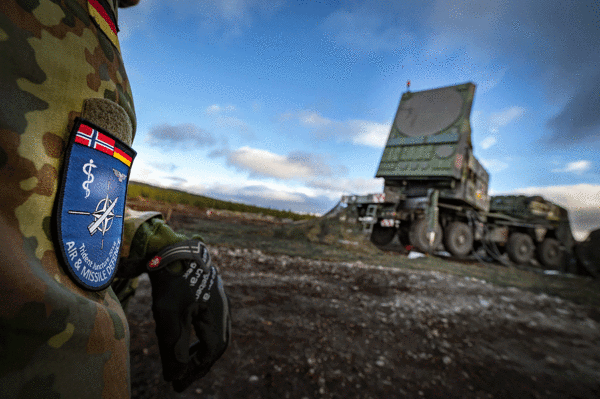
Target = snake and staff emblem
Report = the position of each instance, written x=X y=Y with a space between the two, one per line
x=87 y=169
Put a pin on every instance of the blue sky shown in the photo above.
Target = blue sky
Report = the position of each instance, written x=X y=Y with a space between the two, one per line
x=288 y=104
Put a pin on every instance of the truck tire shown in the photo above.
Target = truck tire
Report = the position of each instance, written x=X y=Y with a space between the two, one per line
x=520 y=248
x=417 y=236
x=458 y=239
x=549 y=254
x=381 y=236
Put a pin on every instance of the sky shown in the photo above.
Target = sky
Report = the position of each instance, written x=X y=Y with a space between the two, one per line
x=288 y=104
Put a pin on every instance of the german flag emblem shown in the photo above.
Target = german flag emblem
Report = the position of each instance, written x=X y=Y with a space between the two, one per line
x=104 y=16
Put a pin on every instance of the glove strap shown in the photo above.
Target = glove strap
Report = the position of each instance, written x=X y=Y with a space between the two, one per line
x=185 y=250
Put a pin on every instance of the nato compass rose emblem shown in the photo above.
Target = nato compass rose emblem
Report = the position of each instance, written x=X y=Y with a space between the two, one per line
x=103 y=216
x=91 y=204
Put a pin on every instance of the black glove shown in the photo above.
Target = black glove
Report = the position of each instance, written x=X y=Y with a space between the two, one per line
x=187 y=291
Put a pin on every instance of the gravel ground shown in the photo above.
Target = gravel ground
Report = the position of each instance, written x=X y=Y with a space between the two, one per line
x=313 y=329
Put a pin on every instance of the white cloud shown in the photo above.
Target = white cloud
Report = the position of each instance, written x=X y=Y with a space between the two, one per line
x=279 y=195
x=493 y=165
x=488 y=78
x=136 y=17
x=315 y=195
x=216 y=109
x=262 y=190
x=504 y=117
x=371 y=134
x=147 y=172
x=488 y=142
x=311 y=118
x=140 y=173
x=213 y=109
x=266 y=163
x=339 y=187
x=577 y=167
x=223 y=121
x=492 y=124
x=356 y=131
x=296 y=165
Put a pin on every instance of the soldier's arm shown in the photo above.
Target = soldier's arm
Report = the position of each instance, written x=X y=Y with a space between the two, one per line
x=187 y=293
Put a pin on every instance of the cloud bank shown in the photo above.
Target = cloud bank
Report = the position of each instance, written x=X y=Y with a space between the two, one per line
x=296 y=165
x=359 y=132
x=558 y=39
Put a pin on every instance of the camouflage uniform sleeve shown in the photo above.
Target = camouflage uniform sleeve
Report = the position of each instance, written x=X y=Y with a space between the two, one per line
x=126 y=282
x=133 y=221
x=145 y=234
x=59 y=60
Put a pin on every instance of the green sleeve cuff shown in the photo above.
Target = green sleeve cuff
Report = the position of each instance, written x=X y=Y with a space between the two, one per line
x=145 y=235
x=151 y=237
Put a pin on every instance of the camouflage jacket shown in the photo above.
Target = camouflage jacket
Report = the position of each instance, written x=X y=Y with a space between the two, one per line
x=59 y=59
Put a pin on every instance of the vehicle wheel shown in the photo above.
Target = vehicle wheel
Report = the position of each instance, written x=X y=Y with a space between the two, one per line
x=417 y=236
x=458 y=239
x=381 y=236
x=520 y=248
x=549 y=254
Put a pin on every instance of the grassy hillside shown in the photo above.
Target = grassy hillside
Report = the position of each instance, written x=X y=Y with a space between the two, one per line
x=137 y=189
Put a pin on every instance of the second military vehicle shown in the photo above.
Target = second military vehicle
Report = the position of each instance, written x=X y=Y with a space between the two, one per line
x=436 y=192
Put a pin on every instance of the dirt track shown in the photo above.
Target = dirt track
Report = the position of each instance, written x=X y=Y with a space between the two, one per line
x=311 y=329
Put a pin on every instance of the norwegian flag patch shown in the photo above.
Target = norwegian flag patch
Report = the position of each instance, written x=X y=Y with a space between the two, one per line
x=90 y=137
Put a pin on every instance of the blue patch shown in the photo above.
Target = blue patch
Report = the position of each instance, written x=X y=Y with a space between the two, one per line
x=91 y=204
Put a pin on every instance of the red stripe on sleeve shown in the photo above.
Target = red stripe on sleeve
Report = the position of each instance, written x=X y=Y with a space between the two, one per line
x=104 y=15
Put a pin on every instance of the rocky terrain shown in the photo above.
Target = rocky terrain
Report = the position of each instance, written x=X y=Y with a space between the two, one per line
x=306 y=328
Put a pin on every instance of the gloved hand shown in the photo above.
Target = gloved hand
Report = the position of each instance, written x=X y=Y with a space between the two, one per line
x=187 y=291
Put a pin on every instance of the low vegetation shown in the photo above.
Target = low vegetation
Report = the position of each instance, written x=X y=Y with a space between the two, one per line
x=137 y=189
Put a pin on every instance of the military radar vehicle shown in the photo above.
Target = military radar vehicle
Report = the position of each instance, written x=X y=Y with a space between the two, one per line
x=433 y=183
x=436 y=192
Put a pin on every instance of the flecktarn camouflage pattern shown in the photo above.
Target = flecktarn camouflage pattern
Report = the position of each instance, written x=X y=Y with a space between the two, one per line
x=59 y=60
